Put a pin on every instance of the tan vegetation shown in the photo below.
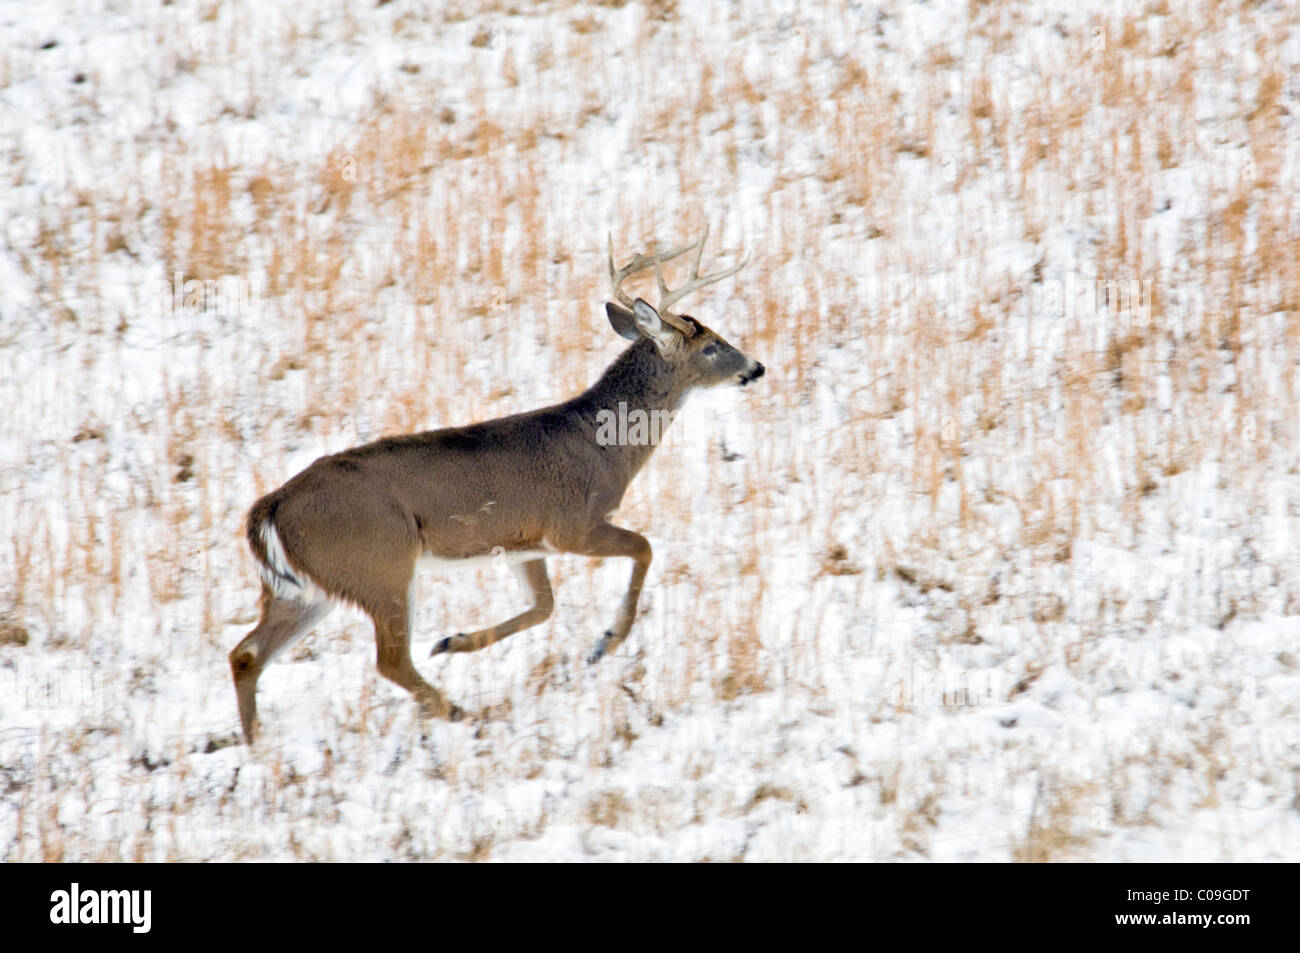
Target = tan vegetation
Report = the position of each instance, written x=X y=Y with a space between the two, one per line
x=957 y=459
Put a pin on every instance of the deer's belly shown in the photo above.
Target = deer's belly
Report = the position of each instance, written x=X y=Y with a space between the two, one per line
x=499 y=556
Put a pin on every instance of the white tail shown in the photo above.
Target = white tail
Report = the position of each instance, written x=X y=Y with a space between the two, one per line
x=353 y=526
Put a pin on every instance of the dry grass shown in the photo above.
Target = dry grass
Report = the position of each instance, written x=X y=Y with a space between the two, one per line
x=952 y=426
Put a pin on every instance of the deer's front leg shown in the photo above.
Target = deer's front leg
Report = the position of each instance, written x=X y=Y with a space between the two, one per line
x=532 y=575
x=606 y=539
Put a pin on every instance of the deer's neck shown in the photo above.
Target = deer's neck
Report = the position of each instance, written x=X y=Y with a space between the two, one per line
x=632 y=403
x=638 y=379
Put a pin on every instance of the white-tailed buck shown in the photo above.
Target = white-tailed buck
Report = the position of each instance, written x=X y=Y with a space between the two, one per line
x=353 y=526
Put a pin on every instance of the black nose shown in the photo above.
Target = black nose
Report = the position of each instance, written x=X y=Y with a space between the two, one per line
x=753 y=375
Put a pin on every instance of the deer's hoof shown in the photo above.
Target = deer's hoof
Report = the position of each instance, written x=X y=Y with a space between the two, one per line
x=444 y=645
x=598 y=653
x=435 y=706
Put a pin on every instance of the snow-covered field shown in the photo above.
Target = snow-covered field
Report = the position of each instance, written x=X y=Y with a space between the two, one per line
x=998 y=562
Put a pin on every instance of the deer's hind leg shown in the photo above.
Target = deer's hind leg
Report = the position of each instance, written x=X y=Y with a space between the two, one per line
x=372 y=565
x=284 y=622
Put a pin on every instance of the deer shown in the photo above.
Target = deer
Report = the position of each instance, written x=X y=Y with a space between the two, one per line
x=354 y=526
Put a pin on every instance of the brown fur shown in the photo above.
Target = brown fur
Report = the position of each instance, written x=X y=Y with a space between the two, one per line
x=355 y=523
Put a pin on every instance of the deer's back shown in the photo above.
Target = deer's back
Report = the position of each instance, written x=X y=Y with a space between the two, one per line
x=461 y=492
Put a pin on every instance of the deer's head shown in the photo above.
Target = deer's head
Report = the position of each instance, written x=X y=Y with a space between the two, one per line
x=697 y=355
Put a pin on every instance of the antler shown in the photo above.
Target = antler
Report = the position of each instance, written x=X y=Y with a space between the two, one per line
x=695 y=282
x=638 y=263
x=668 y=296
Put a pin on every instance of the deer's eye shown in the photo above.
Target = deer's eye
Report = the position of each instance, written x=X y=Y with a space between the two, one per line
x=710 y=350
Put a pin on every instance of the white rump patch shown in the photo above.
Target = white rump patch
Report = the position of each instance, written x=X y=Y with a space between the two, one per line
x=285 y=581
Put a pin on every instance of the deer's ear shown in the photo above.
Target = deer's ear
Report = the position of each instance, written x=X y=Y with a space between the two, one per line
x=623 y=321
x=647 y=319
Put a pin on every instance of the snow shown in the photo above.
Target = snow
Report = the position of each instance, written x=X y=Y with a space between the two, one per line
x=981 y=569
